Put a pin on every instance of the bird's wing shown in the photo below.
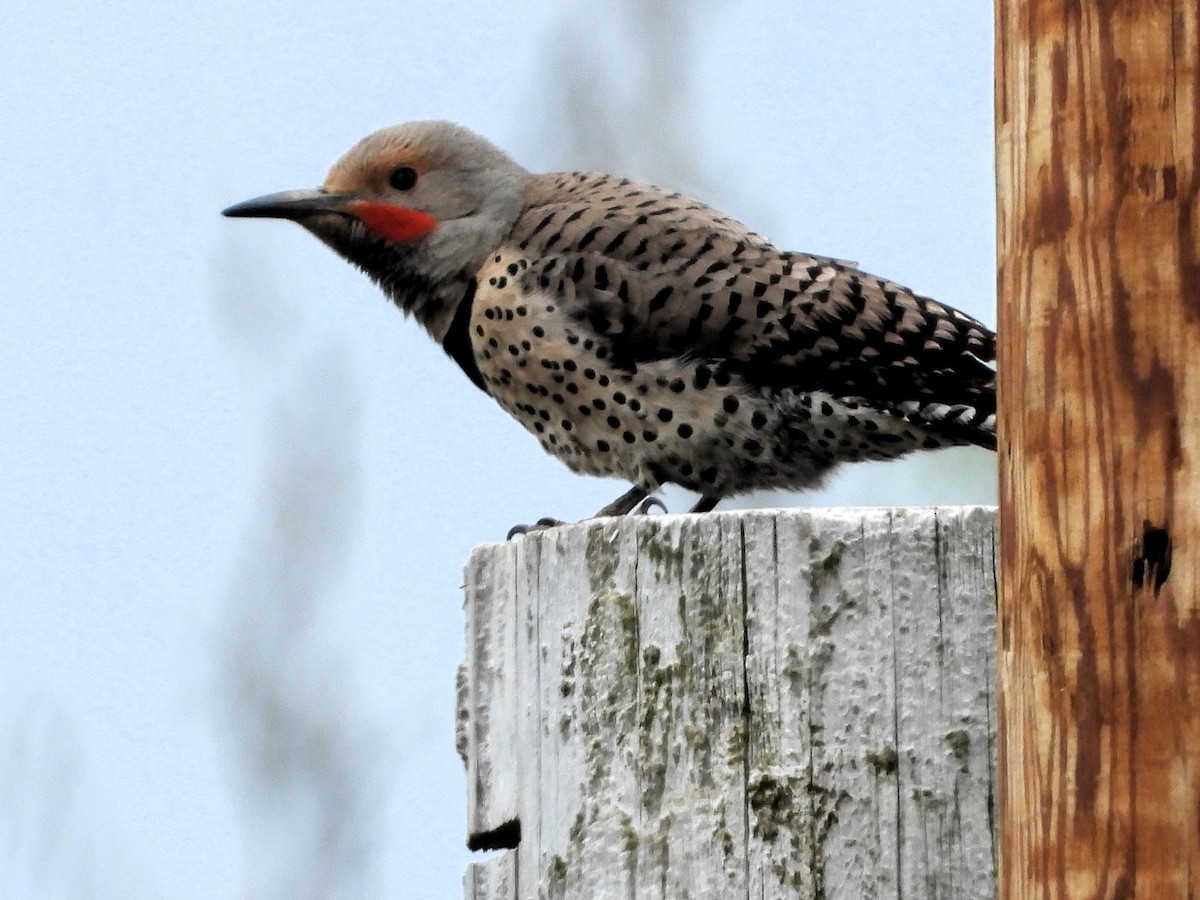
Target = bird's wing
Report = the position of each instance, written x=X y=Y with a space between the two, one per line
x=658 y=275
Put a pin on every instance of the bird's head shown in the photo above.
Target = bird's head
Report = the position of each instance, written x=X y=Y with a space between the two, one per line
x=415 y=206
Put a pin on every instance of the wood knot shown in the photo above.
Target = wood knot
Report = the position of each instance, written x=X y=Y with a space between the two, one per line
x=1157 y=184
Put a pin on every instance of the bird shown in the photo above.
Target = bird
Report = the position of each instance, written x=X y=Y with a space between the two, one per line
x=642 y=334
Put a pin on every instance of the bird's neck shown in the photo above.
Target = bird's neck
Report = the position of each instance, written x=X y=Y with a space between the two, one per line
x=432 y=303
x=429 y=293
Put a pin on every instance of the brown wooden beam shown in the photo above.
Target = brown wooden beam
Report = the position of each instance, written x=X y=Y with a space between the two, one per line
x=1099 y=281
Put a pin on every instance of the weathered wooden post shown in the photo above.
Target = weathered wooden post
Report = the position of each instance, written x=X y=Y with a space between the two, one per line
x=788 y=703
x=1099 y=249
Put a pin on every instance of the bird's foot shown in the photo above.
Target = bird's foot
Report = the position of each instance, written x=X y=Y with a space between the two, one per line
x=624 y=504
x=543 y=524
x=636 y=500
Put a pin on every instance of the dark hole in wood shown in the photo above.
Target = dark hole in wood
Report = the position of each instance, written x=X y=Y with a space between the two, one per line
x=1152 y=562
x=505 y=837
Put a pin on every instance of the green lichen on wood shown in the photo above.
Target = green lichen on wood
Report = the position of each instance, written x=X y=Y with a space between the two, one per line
x=826 y=562
x=660 y=712
x=795 y=814
x=772 y=799
x=654 y=547
x=605 y=668
x=960 y=743
x=601 y=562
x=723 y=837
x=629 y=835
x=884 y=761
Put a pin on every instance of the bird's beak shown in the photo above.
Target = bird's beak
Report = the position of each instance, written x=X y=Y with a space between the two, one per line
x=293 y=205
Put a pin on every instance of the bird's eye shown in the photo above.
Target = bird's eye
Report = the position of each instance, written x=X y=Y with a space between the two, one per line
x=403 y=178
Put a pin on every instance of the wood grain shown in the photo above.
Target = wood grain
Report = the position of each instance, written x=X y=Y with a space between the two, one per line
x=1099 y=257
x=763 y=704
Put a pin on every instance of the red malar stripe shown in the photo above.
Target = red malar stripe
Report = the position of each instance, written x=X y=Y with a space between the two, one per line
x=396 y=223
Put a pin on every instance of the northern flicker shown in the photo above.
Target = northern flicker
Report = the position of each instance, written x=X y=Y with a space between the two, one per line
x=643 y=335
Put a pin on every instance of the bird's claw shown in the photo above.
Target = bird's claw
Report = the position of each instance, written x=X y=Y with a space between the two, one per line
x=648 y=504
x=541 y=524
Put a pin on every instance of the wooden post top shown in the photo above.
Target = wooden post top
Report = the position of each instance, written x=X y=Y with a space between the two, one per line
x=779 y=703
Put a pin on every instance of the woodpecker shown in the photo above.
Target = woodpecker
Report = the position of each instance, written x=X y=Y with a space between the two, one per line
x=640 y=334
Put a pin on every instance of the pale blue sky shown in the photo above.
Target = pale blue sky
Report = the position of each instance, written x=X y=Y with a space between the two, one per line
x=174 y=382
